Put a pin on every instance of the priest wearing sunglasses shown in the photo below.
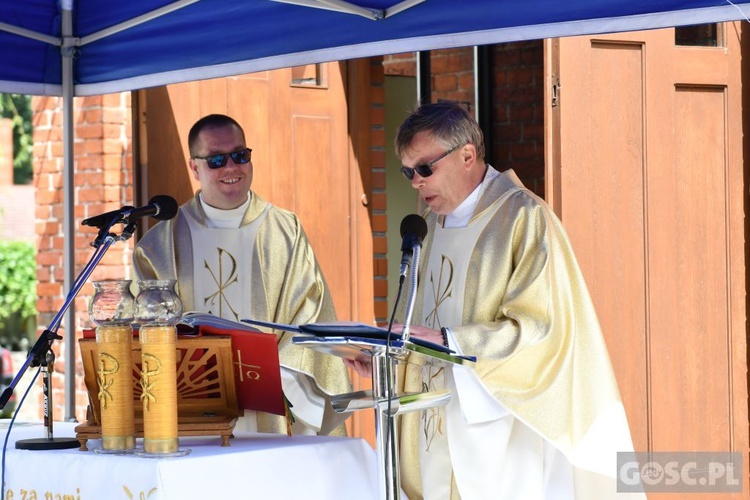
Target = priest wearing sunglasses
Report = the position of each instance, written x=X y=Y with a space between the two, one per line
x=539 y=414
x=237 y=256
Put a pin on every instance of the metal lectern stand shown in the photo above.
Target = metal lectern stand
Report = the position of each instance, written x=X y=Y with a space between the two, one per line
x=382 y=398
x=385 y=356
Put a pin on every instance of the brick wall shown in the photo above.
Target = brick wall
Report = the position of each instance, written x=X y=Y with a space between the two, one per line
x=518 y=87
x=453 y=76
x=378 y=206
x=103 y=182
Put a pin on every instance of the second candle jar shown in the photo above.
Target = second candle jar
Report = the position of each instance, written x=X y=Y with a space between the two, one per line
x=158 y=309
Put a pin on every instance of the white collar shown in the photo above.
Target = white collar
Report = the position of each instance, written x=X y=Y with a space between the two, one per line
x=461 y=216
x=224 y=219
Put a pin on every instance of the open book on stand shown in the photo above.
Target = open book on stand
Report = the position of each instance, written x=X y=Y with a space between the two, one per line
x=346 y=329
x=196 y=319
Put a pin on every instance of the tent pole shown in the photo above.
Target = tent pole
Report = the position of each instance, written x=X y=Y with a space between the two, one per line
x=67 y=52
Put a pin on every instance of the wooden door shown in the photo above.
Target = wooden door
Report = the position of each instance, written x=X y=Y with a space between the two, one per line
x=645 y=167
x=296 y=121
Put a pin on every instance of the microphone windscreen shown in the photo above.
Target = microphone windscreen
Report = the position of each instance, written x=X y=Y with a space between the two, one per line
x=414 y=224
x=167 y=206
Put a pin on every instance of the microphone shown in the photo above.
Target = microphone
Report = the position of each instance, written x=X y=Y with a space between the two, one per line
x=413 y=231
x=160 y=207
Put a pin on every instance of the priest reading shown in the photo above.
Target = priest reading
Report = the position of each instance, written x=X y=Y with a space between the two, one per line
x=237 y=256
x=539 y=415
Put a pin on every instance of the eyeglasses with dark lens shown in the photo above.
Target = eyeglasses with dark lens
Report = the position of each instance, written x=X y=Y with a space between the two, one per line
x=425 y=169
x=220 y=160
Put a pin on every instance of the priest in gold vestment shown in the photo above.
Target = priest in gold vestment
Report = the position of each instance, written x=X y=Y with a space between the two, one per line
x=237 y=256
x=538 y=416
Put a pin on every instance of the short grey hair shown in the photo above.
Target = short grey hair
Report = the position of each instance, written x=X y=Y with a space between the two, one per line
x=448 y=122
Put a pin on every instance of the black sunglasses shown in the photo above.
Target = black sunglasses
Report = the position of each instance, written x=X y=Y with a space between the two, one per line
x=425 y=170
x=220 y=160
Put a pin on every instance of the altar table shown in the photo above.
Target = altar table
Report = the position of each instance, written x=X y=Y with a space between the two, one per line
x=254 y=466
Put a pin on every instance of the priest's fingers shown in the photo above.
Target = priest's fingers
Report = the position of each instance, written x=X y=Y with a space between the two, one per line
x=363 y=368
x=428 y=334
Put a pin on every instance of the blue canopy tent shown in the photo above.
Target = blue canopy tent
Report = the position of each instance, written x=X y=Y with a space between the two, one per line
x=86 y=47
x=118 y=46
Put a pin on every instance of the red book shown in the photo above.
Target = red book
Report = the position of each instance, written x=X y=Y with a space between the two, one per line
x=256 y=368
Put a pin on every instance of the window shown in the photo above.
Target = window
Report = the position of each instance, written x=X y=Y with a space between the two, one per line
x=310 y=75
x=699 y=35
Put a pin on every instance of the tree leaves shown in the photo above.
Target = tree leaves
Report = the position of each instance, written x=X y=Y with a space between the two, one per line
x=17 y=107
x=17 y=285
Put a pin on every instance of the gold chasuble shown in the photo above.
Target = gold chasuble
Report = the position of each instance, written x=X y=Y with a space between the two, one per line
x=539 y=415
x=264 y=270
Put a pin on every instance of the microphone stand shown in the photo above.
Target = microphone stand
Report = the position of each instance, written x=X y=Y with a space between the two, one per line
x=383 y=387
x=41 y=353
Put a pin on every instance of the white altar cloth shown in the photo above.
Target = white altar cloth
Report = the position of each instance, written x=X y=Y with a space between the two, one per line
x=257 y=466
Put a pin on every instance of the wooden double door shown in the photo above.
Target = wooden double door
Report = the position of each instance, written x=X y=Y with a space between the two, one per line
x=646 y=167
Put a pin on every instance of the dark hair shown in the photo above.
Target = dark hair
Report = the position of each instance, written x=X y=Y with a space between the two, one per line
x=448 y=122
x=210 y=121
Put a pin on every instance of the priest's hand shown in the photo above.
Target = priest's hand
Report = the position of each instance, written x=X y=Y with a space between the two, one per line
x=362 y=366
x=421 y=332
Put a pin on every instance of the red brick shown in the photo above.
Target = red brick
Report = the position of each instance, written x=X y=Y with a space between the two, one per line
x=451 y=62
x=377 y=158
x=505 y=55
x=48 y=289
x=522 y=151
x=466 y=81
x=521 y=113
x=533 y=132
x=90 y=101
x=113 y=178
x=380 y=267
x=377 y=136
x=378 y=201
x=377 y=94
x=47 y=197
x=378 y=179
x=379 y=223
x=112 y=131
x=49 y=258
x=380 y=287
x=381 y=309
x=113 y=146
x=379 y=245
x=118 y=116
x=93 y=115
x=377 y=115
x=444 y=83
x=520 y=76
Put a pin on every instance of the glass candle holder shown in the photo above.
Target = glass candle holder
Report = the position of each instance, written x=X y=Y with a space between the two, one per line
x=158 y=309
x=112 y=309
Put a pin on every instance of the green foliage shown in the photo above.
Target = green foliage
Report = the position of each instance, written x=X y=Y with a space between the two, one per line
x=17 y=107
x=17 y=289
